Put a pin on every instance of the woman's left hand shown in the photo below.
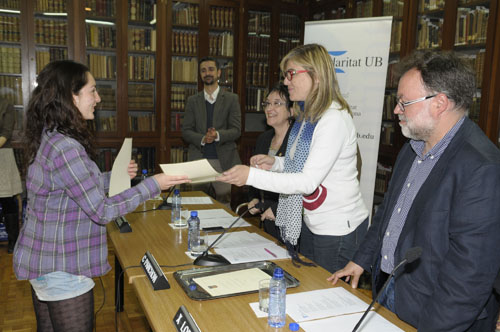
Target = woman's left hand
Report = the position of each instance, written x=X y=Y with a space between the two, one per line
x=268 y=214
x=237 y=175
x=132 y=169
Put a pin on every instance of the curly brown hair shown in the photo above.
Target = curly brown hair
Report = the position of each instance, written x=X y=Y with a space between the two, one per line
x=51 y=107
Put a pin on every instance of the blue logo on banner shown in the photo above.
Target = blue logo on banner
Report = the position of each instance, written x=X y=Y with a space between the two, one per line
x=334 y=54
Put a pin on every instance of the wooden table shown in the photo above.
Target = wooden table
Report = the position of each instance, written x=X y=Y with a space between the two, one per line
x=151 y=232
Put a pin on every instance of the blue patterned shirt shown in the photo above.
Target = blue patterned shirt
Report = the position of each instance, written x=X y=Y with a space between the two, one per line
x=419 y=171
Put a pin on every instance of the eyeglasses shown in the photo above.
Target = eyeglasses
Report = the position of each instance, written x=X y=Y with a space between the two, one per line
x=290 y=73
x=403 y=104
x=265 y=104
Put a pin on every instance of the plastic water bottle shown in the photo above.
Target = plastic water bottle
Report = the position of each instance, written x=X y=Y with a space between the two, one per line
x=277 y=299
x=144 y=176
x=193 y=230
x=176 y=207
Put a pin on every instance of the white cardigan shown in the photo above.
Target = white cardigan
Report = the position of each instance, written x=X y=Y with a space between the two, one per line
x=332 y=163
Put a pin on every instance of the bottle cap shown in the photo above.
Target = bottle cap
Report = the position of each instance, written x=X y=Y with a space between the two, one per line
x=192 y=286
x=144 y=171
x=194 y=214
x=293 y=326
x=176 y=191
x=278 y=273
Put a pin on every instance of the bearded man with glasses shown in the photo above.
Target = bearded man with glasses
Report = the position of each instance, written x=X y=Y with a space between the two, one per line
x=444 y=197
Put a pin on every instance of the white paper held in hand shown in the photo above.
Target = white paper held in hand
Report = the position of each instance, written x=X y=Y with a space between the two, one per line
x=198 y=171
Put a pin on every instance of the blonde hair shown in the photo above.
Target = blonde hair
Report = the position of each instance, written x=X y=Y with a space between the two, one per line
x=316 y=60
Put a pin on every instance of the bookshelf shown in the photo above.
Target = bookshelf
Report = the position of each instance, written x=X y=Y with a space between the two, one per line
x=469 y=27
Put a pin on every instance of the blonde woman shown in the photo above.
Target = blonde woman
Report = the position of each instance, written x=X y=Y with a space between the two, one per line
x=317 y=179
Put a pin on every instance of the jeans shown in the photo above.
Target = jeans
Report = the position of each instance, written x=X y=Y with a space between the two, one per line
x=329 y=251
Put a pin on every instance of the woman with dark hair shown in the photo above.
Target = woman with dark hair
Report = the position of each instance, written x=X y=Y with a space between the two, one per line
x=62 y=244
x=279 y=116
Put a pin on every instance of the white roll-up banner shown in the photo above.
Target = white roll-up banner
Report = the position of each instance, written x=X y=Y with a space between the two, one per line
x=360 y=51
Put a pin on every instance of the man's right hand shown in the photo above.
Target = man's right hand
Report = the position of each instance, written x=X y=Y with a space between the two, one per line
x=351 y=271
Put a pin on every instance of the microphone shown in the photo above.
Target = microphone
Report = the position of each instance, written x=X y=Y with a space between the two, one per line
x=206 y=259
x=411 y=255
x=165 y=205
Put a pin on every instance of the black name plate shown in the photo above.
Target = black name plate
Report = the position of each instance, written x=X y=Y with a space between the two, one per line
x=123 y=225
x=154 y=272
x=184 y=322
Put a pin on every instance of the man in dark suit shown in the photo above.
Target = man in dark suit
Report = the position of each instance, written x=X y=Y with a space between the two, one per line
x=444 y=197
x=212 y=124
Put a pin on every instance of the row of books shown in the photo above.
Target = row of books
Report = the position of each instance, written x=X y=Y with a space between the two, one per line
x=141 y=96
x=390 y=80
x=475 y=109
x=11 y=4
x=9 y=29
x=176 y=120
x=476 y=61
x=290 y=25
x=429 y=5
x=382 y=178
x=105 y=159
x=44 y=57
x=221 y=44
x=178 y=154
x=472 y=24
x=258 y=47
x=185 y=42
x=259 y=22
x=145 y=158
x=393 y=8
x=101 y=8
x=185 y=14
x=257 y=73
x=364 y=8
x=429 y=32
x=100 y=36
x=11 y=88
x=141 y=39
x=108 y=96
x=184 y=69
x=10 y=60
x=52 y=32
x=103 y=123
x=142 y=122
x=51 y=6
x=396 y=29
x=141 y=67
x=227 y=73
x=254 y=99
x=221 y=17
x=390 y=101
x=286 y=45
x=140 y=10
x=387 y=133
x=179 y=96
x=102 y=66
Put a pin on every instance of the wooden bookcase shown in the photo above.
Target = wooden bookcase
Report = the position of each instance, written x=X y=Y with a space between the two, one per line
x=469 y=27
x=144 y=56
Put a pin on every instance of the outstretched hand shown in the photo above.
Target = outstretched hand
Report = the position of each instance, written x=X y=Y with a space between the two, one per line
x=262 y=161
x=351 y=271
x=237 y=175
x=166 y=181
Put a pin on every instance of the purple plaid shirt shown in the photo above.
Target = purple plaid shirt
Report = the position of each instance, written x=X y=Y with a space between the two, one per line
x=64 y=228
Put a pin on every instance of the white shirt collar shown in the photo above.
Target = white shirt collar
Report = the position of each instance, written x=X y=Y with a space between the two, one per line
x=214 y=95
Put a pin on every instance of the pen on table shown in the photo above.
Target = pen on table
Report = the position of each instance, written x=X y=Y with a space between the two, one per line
x=270 y=252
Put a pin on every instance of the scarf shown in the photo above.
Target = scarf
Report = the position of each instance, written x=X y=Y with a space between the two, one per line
x=289 y=212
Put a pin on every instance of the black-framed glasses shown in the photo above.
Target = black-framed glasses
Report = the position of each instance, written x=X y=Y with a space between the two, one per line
x=266 y=104
x=403 y=104
x=290 y=73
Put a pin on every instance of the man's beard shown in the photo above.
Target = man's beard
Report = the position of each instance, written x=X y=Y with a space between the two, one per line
x=209 y=82
x=420 y=132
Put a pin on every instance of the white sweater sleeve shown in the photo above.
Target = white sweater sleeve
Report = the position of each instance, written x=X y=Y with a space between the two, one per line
x=329 y=138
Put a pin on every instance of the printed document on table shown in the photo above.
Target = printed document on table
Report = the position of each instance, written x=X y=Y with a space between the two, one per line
x=198 y=171
x=323 y=303
x=345 y=323
x=193 y=200
x=253 y=254
x=232 y=282
x=219 y=217
x=239 y=239
x=120 y=179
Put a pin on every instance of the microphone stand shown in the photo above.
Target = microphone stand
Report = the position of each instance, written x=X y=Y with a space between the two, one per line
x=206 y=259
x=411 y=255
x=165 y=205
